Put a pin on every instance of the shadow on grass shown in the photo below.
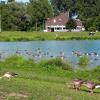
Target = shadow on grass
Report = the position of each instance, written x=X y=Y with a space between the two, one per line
x=89 y=91
x=84 y=90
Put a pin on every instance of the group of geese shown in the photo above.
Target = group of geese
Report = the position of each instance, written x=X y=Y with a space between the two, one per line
x=77 y=83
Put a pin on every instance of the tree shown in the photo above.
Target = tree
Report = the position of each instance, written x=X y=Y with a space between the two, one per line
x=15 y=17
x=92 y=29
x=11 y=0
x=86 y=9
x=97 y=23
x=39 y=10
x=61 y=5
x=71 y=24
x=2 y=5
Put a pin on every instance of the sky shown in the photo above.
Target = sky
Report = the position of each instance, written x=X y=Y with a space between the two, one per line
x=17 y=0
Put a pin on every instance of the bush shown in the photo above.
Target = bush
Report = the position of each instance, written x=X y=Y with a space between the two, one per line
x=84 y=60
x=40 y=38
x=14 y=61
x=92 y=29
x=67 y=66
x=55 y=62
x=29 y=62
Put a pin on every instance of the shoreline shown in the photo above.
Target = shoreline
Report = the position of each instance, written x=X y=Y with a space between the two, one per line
x=46 y=36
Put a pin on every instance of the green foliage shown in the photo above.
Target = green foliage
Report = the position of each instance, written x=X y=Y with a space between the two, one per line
x=39 y=10
x=92 y=29
x=42 y=36
x=84 y=60
x=61 y=5
x=10 y=0
x=71 y=24
x=97 y=23
x=52 y=62
x=14 y=61
x=34 y=82
x=87 y=10
x=15 y=17
x=21 y=17
x=56 y=62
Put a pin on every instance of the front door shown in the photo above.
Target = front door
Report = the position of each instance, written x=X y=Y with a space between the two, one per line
x=52 y=29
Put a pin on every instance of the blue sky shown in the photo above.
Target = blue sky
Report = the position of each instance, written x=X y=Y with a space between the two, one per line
x=18 y=0
x=23 y=0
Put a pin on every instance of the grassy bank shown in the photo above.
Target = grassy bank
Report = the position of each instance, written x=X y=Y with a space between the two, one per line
x=40 y=81
x=33 y=36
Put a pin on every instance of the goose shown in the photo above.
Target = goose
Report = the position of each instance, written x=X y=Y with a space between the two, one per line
x=9 y=75
x=91 y=85
x=77 y=83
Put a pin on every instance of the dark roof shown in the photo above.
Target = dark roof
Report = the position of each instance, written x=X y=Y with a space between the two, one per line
x=61 y=19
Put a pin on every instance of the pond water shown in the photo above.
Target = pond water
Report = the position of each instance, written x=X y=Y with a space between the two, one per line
x=46 y=49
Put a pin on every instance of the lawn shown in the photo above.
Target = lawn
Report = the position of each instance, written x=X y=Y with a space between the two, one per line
x=33 y=36
x=36 y=82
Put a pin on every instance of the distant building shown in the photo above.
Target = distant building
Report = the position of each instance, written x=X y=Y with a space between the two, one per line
x=58 y=23
x=79 y=26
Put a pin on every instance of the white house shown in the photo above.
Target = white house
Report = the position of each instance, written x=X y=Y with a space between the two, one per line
x=58 y=23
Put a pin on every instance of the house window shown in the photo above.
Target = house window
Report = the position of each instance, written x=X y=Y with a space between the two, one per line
x=59 y=28
x=64 y=28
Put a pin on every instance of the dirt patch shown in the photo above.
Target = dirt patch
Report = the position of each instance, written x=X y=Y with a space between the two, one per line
x=18 y=95
x=2 y=95
x=63 y=98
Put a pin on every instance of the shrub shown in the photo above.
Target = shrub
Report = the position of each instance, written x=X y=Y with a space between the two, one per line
x=14 y=61
x=40 y=38
x=92 y=29
x=67 y=66
x=97 y=69
x=55 y=62
x=29 y=62
x=84 y=60
x=51 y=62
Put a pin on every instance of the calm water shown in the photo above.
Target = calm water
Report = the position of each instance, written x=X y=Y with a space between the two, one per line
x=52 y=48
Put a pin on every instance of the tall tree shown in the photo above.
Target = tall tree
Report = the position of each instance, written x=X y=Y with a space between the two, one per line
x=15 y=17
x=86 y=9
x=11 y=0
x=71 y=24
x=61 y=5
x=39 y=10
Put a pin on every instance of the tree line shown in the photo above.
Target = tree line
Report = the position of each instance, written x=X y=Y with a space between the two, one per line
x=31 y=16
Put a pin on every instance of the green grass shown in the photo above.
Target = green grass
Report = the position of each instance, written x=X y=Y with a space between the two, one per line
x=42 y=36
x=84 y=60
x=36 y=82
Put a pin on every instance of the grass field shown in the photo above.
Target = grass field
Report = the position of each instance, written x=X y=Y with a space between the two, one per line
x=35 y=82
x=30 y=36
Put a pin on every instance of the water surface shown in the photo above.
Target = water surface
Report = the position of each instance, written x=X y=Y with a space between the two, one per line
x=53 y=48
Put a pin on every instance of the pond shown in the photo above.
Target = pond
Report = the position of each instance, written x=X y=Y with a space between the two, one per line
x=46 y=49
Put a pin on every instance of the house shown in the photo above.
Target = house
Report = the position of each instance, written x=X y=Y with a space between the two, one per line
x=58 y=23
x=79 y=26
